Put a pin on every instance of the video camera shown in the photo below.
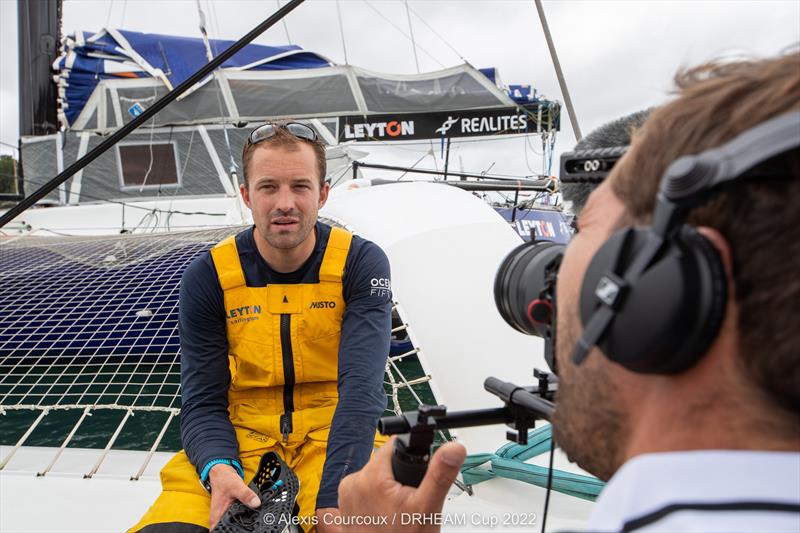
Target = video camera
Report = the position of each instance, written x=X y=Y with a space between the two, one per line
x=589 y=166
x=525 y=284
x=524 y=292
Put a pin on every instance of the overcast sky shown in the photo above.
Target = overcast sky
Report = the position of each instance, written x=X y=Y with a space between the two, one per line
x=618 y=57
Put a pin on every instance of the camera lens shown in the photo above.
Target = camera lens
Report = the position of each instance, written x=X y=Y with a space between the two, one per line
x=521 y=281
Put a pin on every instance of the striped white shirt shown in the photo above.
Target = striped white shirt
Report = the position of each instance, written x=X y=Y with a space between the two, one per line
x=702 y=491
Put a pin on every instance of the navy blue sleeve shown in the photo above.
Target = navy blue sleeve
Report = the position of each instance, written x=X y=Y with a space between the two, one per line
x=206 y=430
x=364 y=346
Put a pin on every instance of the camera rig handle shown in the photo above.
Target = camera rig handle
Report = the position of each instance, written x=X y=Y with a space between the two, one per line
x=416 y=429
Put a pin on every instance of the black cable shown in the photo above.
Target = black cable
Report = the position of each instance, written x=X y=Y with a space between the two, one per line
x=549 y=479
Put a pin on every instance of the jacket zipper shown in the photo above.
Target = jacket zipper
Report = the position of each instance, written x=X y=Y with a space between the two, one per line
x=288 y=376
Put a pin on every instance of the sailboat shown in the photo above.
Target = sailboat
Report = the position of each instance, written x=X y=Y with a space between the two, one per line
x=90 y=278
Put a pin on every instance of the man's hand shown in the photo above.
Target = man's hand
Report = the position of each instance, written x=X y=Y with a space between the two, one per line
x=373 y=491
x=226 y=488
x=325 y=520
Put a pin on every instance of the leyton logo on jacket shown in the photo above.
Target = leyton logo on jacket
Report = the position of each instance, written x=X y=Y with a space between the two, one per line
x=245 y=313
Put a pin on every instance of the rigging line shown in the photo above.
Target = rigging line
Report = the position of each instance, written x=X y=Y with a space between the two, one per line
x=411 y=32
x=404 y=34
x=132 y=206
x=285 y=27
x=203 y=33
x=495 y=175
x=214 y=24
x=559 y=74
x=416 y=62
x=124 y=9
x=457 y=140
x=182 y=174
x=397 y=146
x=108 y=15
x=28 y=77
x=525 y=152
x=336 y=181
x=341 y=30
x=433 y=156
x=533 y=148
x=413 y=166
x=150 y=144
x=210 y=55
x=10 y=146
x=450 y=46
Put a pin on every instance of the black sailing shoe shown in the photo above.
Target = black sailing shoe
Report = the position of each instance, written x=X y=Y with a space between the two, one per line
x=277 y=486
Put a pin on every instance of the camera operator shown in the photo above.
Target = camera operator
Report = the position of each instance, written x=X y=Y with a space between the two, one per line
x=707 y=442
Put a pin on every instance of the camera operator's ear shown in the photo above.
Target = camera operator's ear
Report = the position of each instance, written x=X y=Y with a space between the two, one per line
x=723 y=248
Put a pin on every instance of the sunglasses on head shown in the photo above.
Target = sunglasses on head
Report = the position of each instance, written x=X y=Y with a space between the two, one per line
x=265 y=131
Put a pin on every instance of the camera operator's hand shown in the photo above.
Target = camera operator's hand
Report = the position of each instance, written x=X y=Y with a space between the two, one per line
x=226 y=488
x=373 y=492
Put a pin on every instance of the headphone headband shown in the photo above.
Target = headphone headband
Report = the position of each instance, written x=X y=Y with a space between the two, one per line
x=688 y=181
x=695 y=174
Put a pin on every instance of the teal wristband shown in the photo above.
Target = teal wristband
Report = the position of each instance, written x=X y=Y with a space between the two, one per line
x=207 y=469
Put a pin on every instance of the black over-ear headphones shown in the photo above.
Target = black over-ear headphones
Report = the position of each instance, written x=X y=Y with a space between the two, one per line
x=653 y=298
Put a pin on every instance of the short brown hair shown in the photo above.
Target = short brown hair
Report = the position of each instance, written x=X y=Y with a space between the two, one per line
x=759 y=218
x=284 y=139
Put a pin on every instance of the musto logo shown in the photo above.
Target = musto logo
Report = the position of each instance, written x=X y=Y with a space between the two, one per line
x=322 y=305
x=246 y=313
x=368 y=130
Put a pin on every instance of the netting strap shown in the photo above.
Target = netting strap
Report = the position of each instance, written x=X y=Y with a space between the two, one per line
x=509 y=462
x=153 y=448
x=86 y=412
x=22 y=439
x=110 y=443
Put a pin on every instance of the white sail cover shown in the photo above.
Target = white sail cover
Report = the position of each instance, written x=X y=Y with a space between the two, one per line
x=444 y=247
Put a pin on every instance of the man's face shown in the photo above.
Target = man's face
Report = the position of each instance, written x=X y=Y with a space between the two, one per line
x=283 y=192
x=590 y=422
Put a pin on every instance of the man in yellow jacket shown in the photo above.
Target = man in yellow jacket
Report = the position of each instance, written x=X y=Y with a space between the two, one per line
x=285 y=330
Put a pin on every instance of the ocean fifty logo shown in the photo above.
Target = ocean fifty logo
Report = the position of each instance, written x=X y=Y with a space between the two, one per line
x=380 y=286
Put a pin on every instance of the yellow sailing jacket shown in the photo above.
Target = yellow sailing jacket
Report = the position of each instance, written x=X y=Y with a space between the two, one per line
x=283 y=345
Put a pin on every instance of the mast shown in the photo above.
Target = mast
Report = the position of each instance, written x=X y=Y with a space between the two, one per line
x=559 y=73
x=39 y=35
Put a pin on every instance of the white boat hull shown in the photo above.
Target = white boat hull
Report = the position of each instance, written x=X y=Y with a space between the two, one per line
x=63 y=501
